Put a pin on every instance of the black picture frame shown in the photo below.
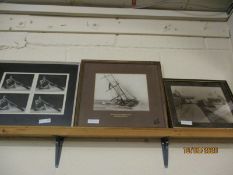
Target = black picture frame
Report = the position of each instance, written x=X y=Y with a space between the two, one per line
x=199 y=103
x=97 y=109
x=40 y=94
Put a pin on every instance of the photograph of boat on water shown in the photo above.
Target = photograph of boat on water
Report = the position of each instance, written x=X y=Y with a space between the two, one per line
x=200 y=103
x=38 y=93
x=48 y=104
x=13 y=103
x=16 y=81
x=121 y=94
x=51 y=82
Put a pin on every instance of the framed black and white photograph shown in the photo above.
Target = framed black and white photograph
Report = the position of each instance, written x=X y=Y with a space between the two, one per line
x=199 y=103
x=13 y=103
x=52 y=82
x=16 y=81
x=48 y=104
x=121 y=94
x=37 y=94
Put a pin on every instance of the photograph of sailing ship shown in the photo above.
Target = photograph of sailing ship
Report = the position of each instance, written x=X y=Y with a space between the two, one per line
x=17 y=82
x=47 y=104
x=51 y=82
x=201 y=104
x=121 y=92
x=13 y=103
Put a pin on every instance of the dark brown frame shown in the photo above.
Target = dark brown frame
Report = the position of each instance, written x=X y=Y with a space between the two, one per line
x=155 y=117
x=173 y=120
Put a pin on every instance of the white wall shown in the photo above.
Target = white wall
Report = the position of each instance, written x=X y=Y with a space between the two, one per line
x=230 y=23
x=186 y=49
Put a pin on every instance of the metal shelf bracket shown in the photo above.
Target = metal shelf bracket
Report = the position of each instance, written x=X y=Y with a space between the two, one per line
x=165 y=146
x=58 y=144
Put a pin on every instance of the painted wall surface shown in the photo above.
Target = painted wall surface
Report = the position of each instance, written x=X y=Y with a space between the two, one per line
x=186 y=49
x=230 y=23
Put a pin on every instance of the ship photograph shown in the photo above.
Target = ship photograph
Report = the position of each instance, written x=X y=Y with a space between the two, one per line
x=201 y=104
x=121 y=92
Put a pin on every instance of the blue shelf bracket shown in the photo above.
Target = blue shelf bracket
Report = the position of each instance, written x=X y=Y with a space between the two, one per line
x=165 y=146
x=59 y=143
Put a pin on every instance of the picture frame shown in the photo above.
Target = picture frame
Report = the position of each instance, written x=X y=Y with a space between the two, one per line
x=199 y=103
x=42 y=94
x=120 y=94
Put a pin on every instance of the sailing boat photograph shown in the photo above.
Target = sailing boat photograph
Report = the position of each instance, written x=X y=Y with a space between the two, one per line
x=51 y=82
x=121 y=92
x=17 y=82
x=48 y=104
x=13 y=103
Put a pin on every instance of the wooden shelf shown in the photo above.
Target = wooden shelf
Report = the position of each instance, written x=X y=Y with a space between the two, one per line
x=94 y=132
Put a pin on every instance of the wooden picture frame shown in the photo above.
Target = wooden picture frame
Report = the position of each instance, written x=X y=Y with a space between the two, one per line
x=121 y=94
x=40 y=94
x=199 y=103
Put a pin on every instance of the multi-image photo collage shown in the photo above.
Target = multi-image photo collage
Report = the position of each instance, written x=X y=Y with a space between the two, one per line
x=33 y=93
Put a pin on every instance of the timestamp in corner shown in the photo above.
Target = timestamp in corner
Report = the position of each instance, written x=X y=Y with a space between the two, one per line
x=200 y=150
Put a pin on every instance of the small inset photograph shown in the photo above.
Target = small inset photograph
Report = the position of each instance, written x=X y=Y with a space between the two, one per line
x=13 y=103
x=51 y=82
x=47 y=104
x=121 y=92
x=17 y=82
